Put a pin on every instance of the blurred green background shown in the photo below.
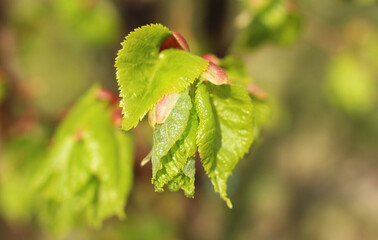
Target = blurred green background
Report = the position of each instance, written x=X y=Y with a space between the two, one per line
x=312 y=175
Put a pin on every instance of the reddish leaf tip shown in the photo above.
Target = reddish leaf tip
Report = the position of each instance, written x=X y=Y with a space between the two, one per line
x=177 y=41
x=160 y=113
x=165 y=106
x=211 y=57
x=107 y=95
x=215 y=74
x=256 y=91
x=117 y=117
x=78 y=135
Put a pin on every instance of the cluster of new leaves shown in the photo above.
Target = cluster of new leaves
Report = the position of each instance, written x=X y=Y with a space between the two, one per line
x=87 y=173
x=277 y=21
x=84 y=173
x=192 y=106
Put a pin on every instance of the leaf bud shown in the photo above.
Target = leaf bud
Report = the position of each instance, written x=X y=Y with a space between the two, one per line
x=256 y=91
x=215 y=74
x=163 y=108
x=176 y=40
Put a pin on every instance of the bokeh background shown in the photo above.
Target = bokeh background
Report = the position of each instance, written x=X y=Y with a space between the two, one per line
x=312 y=175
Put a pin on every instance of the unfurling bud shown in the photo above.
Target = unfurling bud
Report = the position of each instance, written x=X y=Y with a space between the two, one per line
x=215 y=74
x=117 y=117
x=107 y=95
x=211 y=57
x=176 y=40
x=78 y=135
x=256 y=91
x=163 y=108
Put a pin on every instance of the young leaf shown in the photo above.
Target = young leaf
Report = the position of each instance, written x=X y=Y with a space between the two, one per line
x=176 y=40
x=185 y=179
x=87 y=174
x=215 y=74
x=256 y=92
x=146 y=75
x=211 y=57
x=168 y=133
x=177 y=166
x=162 y=109
x=225 y=131
x=238 y=74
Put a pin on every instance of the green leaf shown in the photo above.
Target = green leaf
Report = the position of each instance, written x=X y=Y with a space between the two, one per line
x=168 y=133
x=175 y=142
x=145 y=76
x=88 y=171
x=177 y=166
x=185 y=179
x=225 y=131
x=238 y=74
